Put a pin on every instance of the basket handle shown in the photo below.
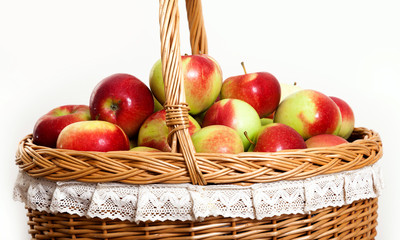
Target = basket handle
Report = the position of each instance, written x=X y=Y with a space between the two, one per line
x=198 y=37
x=177 y=110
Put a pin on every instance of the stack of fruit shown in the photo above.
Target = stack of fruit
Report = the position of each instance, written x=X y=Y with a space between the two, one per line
x=250 y=112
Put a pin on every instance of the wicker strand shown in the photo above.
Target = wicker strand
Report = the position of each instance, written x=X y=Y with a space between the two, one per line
x=356 y=221
x=175 y=104
x=198 y=37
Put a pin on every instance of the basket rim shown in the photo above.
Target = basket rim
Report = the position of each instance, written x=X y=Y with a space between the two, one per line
x=166 y=167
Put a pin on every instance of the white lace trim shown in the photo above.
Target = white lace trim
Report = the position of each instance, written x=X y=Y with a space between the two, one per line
x=189 y=202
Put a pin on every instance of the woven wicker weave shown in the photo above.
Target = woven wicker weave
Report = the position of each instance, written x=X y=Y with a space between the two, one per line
x=355 y=221
x=184 y=165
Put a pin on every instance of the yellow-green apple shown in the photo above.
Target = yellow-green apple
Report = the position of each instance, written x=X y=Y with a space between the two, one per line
x=202 y=79
x=94 y=135
x=217 y=139
x=236 y=114
x=266 y=121
x=325 y=140
x=154 y=131
x=276 y=137
x=261 y=90
x=310 y=113
x=144 y=149
x=49 y=126
x=288 y=89
x=347 y=118
x=157 y=105
x=122 y=99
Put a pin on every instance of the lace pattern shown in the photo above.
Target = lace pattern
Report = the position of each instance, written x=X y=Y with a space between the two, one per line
x=161 y=202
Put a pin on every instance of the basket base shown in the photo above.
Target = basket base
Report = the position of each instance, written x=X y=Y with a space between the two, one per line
x=354 y=221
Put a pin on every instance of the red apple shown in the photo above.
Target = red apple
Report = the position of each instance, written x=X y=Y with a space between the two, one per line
x=310 y=113
x=122 y=99
x=347 y=118
x=236 y=114
x=100 y=136
x=261 y=90
x=154 y=131
x=49 y=126
x=325 y=140
x=202 y=79
x=217 y=139
x=276 y=137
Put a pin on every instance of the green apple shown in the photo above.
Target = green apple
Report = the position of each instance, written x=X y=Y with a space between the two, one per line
x=266 y=121
x=144 y=149
x=288 y=89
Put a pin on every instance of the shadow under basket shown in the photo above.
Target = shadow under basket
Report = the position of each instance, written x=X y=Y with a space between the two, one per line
x=355 y=221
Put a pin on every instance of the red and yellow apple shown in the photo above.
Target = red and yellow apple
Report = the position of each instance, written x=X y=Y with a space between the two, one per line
x=122 y=99
x=100 y=136
x=325 y=140
x=276 y=137
x=261 y=90
x=236 y=114
x=154 y=131
x=347 y=118
x=49 y=126
x=310 y=113
x=202 y=79
x=217 y=139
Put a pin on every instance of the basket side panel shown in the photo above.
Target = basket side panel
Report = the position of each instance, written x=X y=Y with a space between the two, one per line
x=355 y=221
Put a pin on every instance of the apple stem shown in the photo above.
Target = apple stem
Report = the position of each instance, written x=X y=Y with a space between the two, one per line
x=248 y=138
x=295 y=83
x=244 y=68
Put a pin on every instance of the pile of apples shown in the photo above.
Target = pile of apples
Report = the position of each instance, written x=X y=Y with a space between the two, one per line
x=249 y=112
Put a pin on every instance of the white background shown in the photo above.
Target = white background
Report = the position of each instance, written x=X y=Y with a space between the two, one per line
x=53 y=53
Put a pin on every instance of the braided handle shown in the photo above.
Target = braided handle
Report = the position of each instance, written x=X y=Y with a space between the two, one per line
x=175 y=105
x=198 y=37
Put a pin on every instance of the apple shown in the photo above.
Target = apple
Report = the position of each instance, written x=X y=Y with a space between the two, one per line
x=325 y=140
x=347 y=118
x=217 y=139
x=49 y=126
x=202 y=80
x=236 y=114
x=288 y=89
x=266 y=121
x=261 y=90
x=154 y=131
x=200 y=117
x=94 y=135
x=157 y=105
x=122 y=99
x=144 y=149
x=276 y=137
x=310 y=113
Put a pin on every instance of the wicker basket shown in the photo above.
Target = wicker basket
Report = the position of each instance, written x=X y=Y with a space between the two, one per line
x=184 y=165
